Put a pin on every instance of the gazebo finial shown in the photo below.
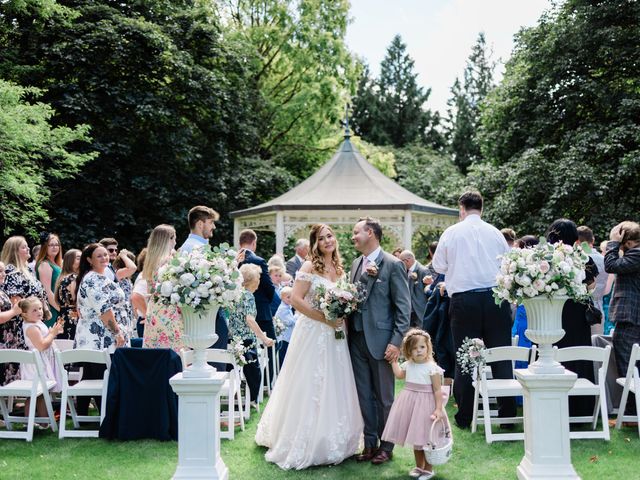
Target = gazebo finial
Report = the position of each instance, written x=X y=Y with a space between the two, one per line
x=347 y=132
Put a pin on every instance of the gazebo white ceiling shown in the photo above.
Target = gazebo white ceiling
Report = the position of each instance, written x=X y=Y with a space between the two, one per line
x=343 y=190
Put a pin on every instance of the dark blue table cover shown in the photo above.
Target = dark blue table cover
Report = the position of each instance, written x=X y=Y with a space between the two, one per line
x=140 y=401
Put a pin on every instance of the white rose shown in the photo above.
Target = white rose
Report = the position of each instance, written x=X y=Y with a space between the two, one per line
x=202 y=290
x=520 y=263
x=175 y=298
x=187 y=279
x=166 y=289
x=523 y=280
x=512 y=267
x=530 y=292
x=539 y=285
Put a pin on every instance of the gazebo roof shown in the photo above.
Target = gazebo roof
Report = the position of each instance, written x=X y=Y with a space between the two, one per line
x=347 y=182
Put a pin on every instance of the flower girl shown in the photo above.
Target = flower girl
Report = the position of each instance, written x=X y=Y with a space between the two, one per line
x=38 y=336
x=420 y=403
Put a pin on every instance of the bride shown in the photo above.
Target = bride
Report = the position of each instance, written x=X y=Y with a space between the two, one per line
x=313 y=416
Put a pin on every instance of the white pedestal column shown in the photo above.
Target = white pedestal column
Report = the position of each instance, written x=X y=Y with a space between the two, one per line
x=547 y=450
x=199 y=428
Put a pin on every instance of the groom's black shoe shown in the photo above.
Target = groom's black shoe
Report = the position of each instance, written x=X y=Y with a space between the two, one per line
x=367 y=454
x=382 y=457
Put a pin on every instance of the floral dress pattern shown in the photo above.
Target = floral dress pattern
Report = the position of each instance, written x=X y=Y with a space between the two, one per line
x=164 y=327
x=127 y=287
x=67 y=303
x=17 y=283
x=238 y=326
x=11 y=336
x=97 y=295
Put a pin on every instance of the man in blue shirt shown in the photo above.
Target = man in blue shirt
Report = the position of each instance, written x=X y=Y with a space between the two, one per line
x=201 y=224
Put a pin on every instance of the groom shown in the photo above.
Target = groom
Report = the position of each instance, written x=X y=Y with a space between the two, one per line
x=376 y=332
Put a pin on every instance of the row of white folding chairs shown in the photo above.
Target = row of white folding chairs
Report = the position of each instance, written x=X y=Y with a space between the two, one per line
x=630 y=384
x=41 y=386
x=487 y=388
x=230 y=393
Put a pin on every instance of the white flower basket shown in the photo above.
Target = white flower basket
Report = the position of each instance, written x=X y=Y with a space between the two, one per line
x=439 y=454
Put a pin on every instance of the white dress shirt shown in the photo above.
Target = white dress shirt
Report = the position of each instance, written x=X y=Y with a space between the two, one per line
x=468 y=255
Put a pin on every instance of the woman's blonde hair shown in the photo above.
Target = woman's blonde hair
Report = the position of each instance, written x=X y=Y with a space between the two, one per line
x=158 y=249
x=411 y=339
x=26 y=303
x=316 y=257
x=250 y=272
x=10 y=254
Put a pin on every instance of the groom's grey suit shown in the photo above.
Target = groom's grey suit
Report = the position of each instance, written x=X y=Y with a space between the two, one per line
x=382 y=320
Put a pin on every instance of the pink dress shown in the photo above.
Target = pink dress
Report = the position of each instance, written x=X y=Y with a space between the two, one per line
x=410 y=416
x=28 y=372
x=163 y=328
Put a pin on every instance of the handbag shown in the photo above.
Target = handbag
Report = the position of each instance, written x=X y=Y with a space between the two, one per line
x=592 y=315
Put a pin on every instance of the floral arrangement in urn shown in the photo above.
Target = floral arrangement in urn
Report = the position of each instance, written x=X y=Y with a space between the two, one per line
x=200 y=279
x=550 y=270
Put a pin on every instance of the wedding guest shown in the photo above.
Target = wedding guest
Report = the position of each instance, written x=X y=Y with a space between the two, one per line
x=35 y=250
x=140 y=295
x=509 y=235
x=416 y=273
x=294 y=263
x=10 y=332
x=65 y=293
x=125 y=266
x=201 y=226
x=265 y=292
x=585 y=235
x=20 y=282
x=624 y=310
x=242 y=323
x=39 y=337
x=606 y=297
x=287 y=280
x=48 y=268
x=164 y=326
x=111 y=244
x=468 y=254
x=285 y=314
x=397 y=251
x=577 y=331
x=275 y=273
x=101 y=313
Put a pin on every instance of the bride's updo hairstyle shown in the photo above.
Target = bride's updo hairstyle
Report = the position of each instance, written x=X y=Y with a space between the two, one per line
x=316 y=256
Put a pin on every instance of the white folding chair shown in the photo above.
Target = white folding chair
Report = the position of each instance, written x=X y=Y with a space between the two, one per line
x=263 y=361
x=63 y=345
x=230 y=394
x=84 y=388
x=630 y=383
x=585 y=387
x=514 y=340
x=31 y=389
x=498 y=387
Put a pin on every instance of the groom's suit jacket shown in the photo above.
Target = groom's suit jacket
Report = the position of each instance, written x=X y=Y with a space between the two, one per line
x=386 y=311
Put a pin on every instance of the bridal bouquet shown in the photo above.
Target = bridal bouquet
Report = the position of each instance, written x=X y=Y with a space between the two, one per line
x=544 y=269
x=339 y=301
x=471 y=355
x=199 y=279
x=238 y=349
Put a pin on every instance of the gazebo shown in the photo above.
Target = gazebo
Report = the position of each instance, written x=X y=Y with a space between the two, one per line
x=343 y=190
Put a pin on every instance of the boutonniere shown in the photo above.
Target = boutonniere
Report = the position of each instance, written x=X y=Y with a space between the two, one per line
x=413 y=276
x=372 y=270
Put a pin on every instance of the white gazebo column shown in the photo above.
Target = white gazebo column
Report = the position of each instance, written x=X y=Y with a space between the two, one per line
x=236 y=233
x=547 y=449
x=199 y=427
x=408 y=229
x=280 y=233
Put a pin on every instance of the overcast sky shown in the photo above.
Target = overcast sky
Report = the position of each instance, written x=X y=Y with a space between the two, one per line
x=439 y=34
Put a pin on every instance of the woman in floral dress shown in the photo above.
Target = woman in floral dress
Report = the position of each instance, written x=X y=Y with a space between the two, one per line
x=164 y=326
x=9 y=328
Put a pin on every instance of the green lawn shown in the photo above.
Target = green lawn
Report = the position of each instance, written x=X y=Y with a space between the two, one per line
x=48 y=458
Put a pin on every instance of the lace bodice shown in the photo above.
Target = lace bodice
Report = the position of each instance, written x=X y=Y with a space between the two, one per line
x=315 y=280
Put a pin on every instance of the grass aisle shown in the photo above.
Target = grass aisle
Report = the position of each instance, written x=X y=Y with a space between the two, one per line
x=48 y=458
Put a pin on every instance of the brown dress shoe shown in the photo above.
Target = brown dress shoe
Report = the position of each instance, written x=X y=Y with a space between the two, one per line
x=367 y=454
x=381 y=457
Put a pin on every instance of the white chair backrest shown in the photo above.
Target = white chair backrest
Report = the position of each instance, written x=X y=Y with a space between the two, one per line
x=593 y=354
x=17 y=356
x=63 y=345
x=83 y=355
x=219 y=355
x=633 y=358
x=500 y=354
x=514 y=340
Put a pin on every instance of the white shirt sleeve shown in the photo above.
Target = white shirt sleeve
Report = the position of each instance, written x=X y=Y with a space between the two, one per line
x=439 y=261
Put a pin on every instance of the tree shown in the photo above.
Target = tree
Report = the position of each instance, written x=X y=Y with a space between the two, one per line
x=171 y=110
x=561 y=132
x=303 y=71
x=466 y=103
x=32 y=155
x=390 y=110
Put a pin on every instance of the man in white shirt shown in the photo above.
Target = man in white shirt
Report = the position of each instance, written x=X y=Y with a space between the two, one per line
x=468 y=255
x=295 y=262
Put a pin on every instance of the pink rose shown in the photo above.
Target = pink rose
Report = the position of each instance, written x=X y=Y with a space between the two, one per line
x=544 y=266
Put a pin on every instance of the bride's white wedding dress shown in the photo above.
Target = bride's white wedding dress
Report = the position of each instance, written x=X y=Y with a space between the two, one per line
x=313 y=416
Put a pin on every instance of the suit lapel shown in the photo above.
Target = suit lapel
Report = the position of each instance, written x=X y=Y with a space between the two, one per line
x=354 y=271
x=371 y=280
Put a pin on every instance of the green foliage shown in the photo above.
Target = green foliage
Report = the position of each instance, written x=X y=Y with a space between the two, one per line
x=33 y=153
x=466 y=103
x=390 y=110
x=303 y=72
x=561 y=131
